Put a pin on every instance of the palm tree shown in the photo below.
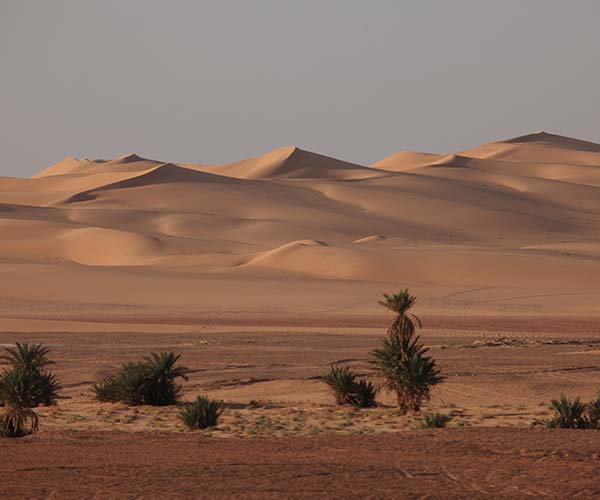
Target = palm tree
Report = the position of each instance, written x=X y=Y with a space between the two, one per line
x=27 y=358
x=404 y=324
x=161 y=372
x=404 y=368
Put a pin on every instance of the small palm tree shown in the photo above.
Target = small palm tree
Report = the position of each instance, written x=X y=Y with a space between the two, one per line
x=27 y=358
x=403 y=368
x=162 y=371
x=594 y=413
x=405 y=323
x=568 y=414
x=25 y=382
x=341 y=380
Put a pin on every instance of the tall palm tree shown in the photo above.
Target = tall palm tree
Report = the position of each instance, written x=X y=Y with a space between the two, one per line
x=405 y=322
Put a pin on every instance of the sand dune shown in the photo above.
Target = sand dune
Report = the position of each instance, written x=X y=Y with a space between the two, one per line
x=292 y=162
x=518 y=215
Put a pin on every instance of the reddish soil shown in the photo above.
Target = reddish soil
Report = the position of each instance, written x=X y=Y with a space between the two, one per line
x=457 y=463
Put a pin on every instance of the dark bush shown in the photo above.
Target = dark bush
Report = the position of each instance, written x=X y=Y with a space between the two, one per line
x=568 y=414
x=363 y=395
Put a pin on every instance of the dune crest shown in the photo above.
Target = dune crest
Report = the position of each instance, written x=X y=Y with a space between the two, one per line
x=292 y=162
x=405 y=160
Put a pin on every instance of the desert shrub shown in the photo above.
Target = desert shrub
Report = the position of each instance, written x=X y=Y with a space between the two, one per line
x=435 y=420
x=148 y=382
x=568 y=414
x=363 y=394
x=202 y=413
x=403 y=367
x=25 y=382
x=342 y=381
x=17 y=421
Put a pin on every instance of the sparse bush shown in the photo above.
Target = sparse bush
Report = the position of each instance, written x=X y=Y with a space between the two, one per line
x=363 y=394
x=435 y=420
x=202 y=413
x=342 y=381
x=17 y=421
x=25 y=382
x=149 y=382
x=568 y=414
x=404 y=368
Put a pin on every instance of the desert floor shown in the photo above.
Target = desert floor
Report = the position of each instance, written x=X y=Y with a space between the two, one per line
x=445 y=463
x=282 y=436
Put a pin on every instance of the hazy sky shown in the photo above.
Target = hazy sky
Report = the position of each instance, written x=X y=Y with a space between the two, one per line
x=216 y=81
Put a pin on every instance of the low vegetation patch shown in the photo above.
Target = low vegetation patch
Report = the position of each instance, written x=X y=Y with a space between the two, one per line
x=435 y=420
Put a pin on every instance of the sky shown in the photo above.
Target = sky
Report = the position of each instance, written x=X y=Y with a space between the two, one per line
x=218 y=81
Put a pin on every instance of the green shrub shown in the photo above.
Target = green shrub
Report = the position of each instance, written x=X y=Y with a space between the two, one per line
x=568 y=414
x=435 y=420
x=25 y=382
x=148 y=382
x=202 y=413
x=17 y=421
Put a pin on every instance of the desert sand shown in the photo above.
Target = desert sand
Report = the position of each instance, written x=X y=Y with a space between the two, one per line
x=263 y=272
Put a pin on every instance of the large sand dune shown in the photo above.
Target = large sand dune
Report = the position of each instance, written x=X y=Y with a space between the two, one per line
x=511 y=224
